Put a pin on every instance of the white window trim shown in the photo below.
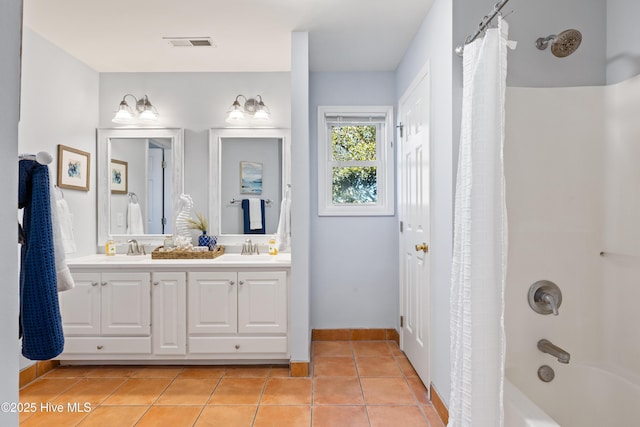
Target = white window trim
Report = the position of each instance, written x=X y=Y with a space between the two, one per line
x=385 y=204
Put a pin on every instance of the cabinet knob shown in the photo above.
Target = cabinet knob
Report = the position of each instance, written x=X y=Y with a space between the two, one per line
x=156 y=283
x=100 y=347
x=237 y=347
x=231 y=282
x=104 y=283
x=241 y=282
x=94 y=283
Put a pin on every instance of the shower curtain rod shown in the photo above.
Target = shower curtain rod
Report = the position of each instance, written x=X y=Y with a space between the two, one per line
x=482 y=26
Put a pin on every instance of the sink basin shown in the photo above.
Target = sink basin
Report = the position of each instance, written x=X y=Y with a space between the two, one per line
x=115 y=259
x=238 y=258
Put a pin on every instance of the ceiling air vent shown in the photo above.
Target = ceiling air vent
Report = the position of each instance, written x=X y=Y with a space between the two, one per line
x=190 y=41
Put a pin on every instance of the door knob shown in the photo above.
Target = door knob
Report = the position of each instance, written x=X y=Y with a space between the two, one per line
x=423 y=247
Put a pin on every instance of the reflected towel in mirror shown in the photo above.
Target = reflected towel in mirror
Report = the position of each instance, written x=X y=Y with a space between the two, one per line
x=249 y=223
x=135 y=224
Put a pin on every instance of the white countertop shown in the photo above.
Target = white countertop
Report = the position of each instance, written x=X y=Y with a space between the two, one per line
x=232 y=260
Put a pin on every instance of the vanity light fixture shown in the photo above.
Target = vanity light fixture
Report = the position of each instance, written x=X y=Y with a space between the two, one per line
x=253 y=108
x=146 y=112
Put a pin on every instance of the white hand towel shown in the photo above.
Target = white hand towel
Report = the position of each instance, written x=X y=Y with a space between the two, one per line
x=255 y=214
x=283 y=235
x=63 y=274
x=66 y=226
x=135 y=224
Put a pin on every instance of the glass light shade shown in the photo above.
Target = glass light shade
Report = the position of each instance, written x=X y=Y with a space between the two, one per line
x=149 y=116
x=235 y=113
x=262 y=113
x=124 y=114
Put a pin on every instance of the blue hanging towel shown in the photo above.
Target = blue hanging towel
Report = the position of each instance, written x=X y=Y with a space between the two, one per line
x=40 y=320
x=247 y=222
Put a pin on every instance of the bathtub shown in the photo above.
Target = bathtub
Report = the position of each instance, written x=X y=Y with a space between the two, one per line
x=579 y=396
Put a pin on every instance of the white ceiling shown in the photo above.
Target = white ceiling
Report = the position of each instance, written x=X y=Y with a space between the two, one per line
x=251 y=35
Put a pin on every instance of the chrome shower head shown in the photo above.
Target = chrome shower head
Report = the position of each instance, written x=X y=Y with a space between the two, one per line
x=563 y=44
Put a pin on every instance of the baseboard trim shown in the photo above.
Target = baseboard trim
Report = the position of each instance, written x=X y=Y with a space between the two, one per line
x=439 y=405
x=355 y=335
x=299 y=369
x=36 y=370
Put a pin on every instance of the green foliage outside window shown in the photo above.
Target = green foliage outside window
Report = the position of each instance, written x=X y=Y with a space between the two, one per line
x=354 y=184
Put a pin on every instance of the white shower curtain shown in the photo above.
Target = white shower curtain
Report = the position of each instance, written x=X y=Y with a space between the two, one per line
x=480 y=239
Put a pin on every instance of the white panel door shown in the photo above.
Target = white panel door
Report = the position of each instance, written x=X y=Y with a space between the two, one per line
x=155 y=191
x=262 y=302
x=414 y=202
x=212 y=303
x=126 y=304
x=80 y=306
x=169 y=313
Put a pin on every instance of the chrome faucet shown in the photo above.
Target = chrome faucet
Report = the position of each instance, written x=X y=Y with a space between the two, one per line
x=135 y=248
x=546 y=346
x=248 y=248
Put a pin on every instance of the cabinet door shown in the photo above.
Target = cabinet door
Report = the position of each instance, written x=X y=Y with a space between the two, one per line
x=126 y=304
x=80 y=306
x=262 y=302
x=168 y=311
x=212 y=303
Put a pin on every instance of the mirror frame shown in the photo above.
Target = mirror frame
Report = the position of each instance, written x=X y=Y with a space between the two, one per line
x=104 y=136
x=215 y=138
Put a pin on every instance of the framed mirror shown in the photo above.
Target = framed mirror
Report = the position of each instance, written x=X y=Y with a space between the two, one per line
x=249 y=169
x=140 y=178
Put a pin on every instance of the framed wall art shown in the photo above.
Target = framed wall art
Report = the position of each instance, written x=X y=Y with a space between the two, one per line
x=74 y=168
x=119 y=177
x=250 y=178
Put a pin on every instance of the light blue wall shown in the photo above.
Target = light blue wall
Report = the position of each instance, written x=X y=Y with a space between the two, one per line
x=432 y=46
x=623 y=40
x=354 y=260
x=59 y=105
x=10 y=17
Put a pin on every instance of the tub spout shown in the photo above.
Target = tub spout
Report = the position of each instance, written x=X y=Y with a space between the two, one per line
x=546 y=346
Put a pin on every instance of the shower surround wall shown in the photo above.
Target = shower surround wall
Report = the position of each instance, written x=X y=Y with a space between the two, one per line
x=571 y=167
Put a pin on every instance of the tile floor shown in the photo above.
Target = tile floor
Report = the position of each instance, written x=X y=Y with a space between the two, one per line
x=352 y=384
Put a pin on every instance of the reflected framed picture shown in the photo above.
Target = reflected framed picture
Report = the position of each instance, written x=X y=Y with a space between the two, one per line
x=73 y=168
x=250 y=178
x=119 y=177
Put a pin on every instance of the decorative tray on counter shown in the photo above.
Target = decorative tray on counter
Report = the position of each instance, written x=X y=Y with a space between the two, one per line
x=176 y=254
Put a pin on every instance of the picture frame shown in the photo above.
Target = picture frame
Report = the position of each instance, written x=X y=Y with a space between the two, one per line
x=74 y=168
x=119 y=177
x=250 y=177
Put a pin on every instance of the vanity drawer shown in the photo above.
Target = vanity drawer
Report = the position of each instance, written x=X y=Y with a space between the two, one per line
x=238 y=345
x=107 y=345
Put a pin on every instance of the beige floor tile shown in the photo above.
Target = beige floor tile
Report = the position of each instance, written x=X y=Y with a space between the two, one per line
x=279 y=371
x=173 y=416
x=387 y=391
x=247 y=372
x=334 y=416
x=43 y=390
x=332 y=348
x=419 y=390
x=395 y=349
x=432 y=416
x=227 y=416
x=90 y=390
x=157 y=372
x=371 y=348
x=188 y=391
x=334 y=367
x=385 y=416
x=337 y=391
x=406 y=367
x=138 y=391
x=238 y=391
x=202 y=372
x=57 y=419
x=68 y=372
x=111 y=416
x=378 y=367
x=283 y=416
x=287 y=391
x=112 y=372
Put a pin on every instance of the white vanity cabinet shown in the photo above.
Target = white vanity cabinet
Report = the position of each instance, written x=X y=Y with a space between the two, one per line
x=107 y=313
x=135 y=309
x=238 y=313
